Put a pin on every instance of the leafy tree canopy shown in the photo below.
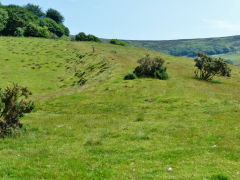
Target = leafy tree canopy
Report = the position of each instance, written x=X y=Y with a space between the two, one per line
x=55 y=15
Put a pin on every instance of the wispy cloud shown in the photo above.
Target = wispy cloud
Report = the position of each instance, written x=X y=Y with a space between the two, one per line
x=223 y=25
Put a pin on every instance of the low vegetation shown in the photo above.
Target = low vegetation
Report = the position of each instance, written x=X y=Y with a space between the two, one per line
x=118 y=42
x=13 y=106
x=149 y=67
x=208 y=67
x=83 y=37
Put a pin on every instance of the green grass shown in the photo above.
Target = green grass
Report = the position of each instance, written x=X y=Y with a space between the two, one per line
x=110 y=128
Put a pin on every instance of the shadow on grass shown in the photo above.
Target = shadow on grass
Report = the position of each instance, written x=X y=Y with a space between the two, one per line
x=211 y=81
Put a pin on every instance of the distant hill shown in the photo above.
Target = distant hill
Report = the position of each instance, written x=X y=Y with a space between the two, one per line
x=227 y=47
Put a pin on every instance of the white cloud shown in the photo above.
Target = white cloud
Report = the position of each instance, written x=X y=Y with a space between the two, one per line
x=223 y=25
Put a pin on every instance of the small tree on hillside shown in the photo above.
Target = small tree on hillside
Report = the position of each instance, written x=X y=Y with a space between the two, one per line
x=13 y=106
x=208 y=67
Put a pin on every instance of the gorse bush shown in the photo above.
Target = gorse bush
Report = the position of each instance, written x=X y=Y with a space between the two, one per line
x=13 y=106
x=151 y=67
x=118 y=42
x=208 y=67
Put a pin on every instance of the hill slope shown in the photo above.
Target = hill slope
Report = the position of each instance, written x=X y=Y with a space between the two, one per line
x=109 y=128
x=227 y=47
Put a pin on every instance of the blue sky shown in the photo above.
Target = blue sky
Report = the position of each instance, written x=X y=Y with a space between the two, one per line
x=147 y=19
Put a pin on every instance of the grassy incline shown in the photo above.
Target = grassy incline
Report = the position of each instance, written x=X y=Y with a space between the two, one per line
x=109 y=128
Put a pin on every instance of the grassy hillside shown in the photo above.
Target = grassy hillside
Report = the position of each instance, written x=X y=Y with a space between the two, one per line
x=109 y=128
x=226 y=47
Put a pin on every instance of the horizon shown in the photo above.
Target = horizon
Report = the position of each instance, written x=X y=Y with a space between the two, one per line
x=161 y=20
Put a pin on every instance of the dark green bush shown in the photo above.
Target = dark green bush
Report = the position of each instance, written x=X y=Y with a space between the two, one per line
x=19 y=32
x=130 y=76
x=13 y=106
x=118 y=42
x=53 y=27
x=31 y=30
x=151 y=67
x=208 y=67
x=219 y=177
x=83 y=37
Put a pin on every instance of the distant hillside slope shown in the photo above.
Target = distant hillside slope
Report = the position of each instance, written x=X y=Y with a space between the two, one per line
x=227 y=46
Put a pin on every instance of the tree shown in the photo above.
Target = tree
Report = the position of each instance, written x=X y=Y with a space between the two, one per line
x=18 y=17
x=208 y=67
x=3 y=18
x=13 y=106
x=55 y=15
x=35 y=9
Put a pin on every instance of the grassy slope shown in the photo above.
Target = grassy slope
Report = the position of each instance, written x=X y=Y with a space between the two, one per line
x=93 y=132
x=189 y=46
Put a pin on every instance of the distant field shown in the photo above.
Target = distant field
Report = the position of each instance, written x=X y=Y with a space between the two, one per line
x=109 y=128
x=227 y=47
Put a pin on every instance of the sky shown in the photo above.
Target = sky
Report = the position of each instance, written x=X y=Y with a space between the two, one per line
x=146 y=19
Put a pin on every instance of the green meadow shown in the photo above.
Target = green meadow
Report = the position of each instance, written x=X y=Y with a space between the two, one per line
x=89 y=123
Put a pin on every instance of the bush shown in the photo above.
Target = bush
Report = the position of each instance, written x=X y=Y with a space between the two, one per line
x=3 y=18
x=83 y=37
x=53 y=27
x=130 y=76
x=151 y=67
x=118 y=42
x=44 y=32
x=31 y=30
x=19 y=32
x=219 y=177
x=13 y=106
x=208 y=67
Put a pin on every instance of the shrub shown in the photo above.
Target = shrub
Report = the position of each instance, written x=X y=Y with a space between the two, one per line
x=219 y=177
x=118 y=42
x=3 y=18
x=130 y=76
x=208 y=67
x=53 y=26
x=31 y=30
x=13 y=106
x=151 y=67
x=44 y=32
x=83 y=37
x=19 y=32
